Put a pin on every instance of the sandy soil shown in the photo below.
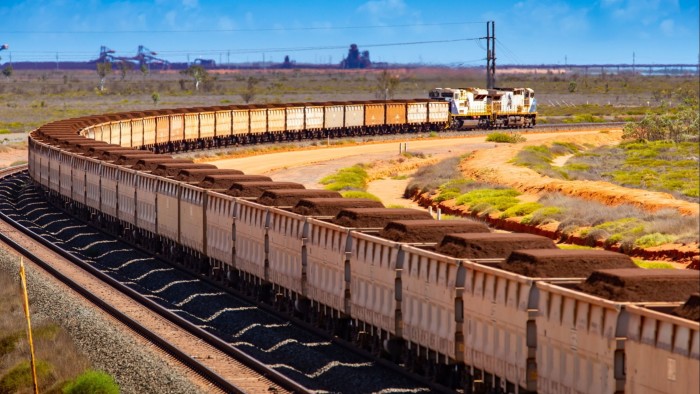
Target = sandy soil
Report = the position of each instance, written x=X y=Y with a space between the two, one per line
x=494 y=166
x=309 y=166
x=560 y=161
x=10 y=155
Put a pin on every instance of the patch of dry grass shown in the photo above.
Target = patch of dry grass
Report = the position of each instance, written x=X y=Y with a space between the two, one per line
x=52 y=345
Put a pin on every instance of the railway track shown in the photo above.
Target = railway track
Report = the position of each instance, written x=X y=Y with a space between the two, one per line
x=217 y=371
x=291 y=357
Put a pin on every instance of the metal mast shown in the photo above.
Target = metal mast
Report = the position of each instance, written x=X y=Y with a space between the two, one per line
x=490 y=54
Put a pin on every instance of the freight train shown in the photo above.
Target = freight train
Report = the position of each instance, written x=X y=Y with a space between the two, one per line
x=176 y=130
x=474 y=310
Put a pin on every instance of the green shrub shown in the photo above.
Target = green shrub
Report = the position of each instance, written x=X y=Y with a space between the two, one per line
x=652 y=264
x=350 y=178
x=500 y=199
x=508 y=138
x=359 y=194
x=543 y=215
x=20 y=376
x=444 y=196
x=92 y=382
x=654 y=239
x=522 y=209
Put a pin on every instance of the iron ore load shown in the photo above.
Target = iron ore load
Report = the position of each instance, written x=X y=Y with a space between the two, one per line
x=473 y=310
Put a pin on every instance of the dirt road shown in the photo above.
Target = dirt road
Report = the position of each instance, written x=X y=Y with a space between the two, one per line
x=309 y=166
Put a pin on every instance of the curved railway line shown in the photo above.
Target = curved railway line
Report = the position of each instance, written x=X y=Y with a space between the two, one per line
x=227 y=365
x=220 y=370
x=472 y=310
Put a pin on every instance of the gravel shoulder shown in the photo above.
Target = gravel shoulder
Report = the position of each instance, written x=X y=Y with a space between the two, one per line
x=135 y=368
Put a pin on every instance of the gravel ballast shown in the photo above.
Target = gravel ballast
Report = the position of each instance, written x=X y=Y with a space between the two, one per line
x=108 y=348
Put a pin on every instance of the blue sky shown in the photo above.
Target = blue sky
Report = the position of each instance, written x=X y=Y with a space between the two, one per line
x=528 y=31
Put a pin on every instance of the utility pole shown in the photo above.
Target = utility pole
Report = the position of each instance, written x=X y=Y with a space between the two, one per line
x=490 y=54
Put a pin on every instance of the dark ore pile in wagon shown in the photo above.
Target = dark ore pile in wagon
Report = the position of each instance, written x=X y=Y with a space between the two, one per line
x=332 y=206
x=690 y=309
x=558 y=263
x=152 y=164
x=224 y=182
x=113 y=155
x=290 y=197
x=377 y=217
x=490 y=246
x=98 y=151
x=641 y=285
x=429 y=230
x=84 y=147
x=257 y=189
x=172 y=169
x=130 y=159
x=198 y=174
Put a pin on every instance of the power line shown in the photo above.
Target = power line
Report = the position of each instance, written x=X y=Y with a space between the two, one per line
x=264 y=29
x=42 y=54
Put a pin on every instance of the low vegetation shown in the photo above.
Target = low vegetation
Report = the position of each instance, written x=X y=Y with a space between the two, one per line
x=508 y=138
x=351 y=182
x=351 y=178
x=540 y=157
x=624 y=225
x=58 y=361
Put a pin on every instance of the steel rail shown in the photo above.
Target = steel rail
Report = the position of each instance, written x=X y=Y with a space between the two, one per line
x=190 y=362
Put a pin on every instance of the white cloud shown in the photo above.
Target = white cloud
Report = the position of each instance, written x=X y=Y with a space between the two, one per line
x=667 y=27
